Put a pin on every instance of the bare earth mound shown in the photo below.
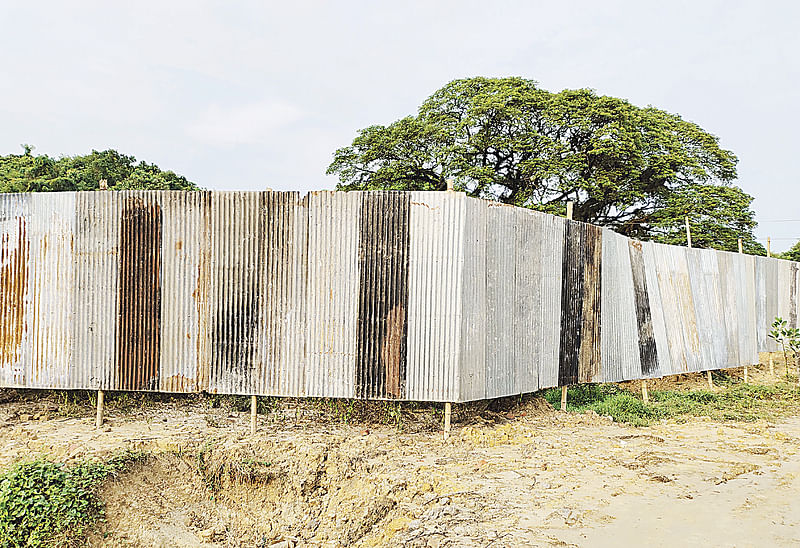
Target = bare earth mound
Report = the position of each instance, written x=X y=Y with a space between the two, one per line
x=529 y=476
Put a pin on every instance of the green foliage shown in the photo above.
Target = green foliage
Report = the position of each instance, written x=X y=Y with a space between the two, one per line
x=787 y=337
x=637 y=170
x=793 y=253
x=29 y=173
x=45 y=504
x=737 y=401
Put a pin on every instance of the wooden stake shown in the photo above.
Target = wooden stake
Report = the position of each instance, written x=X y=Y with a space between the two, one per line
x=645 y=396
x=100 y=408
x=448 y=409
x=740 y=246
x=688 y=233
x=771 y=365
x=710 y=382
x=570 y=206
x=769 y=252
x=253 y=414
x=450 y=187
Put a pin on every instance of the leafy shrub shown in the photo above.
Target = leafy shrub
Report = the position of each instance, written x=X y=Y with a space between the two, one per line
x=45 y=504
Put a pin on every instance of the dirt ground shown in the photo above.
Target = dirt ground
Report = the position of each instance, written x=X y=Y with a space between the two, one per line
x=531 y=476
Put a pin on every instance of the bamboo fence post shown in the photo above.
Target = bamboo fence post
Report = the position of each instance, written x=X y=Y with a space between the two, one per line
x=253 y=415
x=448 y=409
x=570 y=207
x=645 y=395
x=101 y=397
x=688 y=233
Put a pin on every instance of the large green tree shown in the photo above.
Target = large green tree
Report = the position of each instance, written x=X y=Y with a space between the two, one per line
x=640 y=171
x=40 y=173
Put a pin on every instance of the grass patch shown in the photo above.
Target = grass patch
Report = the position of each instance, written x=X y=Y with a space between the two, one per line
x=44 y=503
x=736 y=401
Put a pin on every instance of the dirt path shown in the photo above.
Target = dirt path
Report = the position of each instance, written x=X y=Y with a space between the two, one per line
x=542 y=479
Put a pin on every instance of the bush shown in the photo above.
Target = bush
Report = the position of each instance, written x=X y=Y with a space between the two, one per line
x=47 y=504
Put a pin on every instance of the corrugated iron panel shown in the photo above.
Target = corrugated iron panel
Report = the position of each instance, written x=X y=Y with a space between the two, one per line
x=334 y=229
x=746 y=309
x=49 y=302
x=553 y=233
x=383 y=296
x=580 y=342
x=528 y=326
x=96 y=264
x=237 y=244
x=185 y=243
x=422 y=296
x=284 y=296
x=441 y=247
x=665 y=360
x=14 y=287
x=709 y=307
x=627 y=327
x=501 y=303
x=465 y=301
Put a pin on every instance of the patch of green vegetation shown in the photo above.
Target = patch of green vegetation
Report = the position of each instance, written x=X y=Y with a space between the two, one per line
x=44 y=503
x=735 y=401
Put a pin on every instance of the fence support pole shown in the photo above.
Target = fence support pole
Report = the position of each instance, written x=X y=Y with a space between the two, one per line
x=570 y=207
x=448 y=409
x=645 y=395
x=253 y=415
x=100 y=408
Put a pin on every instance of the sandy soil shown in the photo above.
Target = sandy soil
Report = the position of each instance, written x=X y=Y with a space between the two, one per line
x=536 y=477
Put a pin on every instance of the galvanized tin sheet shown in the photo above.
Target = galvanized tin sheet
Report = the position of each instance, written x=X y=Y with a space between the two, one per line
x=421 y=296
x=334 y=229
x=282 y=306
x=627 y=340
x=441 y=247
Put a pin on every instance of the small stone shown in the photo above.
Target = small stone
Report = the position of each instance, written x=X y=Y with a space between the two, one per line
x=24 y=417
x=106 y=428
x=207 y=535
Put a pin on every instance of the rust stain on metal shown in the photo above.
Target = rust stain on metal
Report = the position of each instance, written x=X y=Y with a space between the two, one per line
x=391 y=353
x=180 y=383
x=14 y=284
x=139 y=311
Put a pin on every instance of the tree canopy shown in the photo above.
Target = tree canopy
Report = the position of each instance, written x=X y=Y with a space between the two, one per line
x=40 y=173
x=639 y=171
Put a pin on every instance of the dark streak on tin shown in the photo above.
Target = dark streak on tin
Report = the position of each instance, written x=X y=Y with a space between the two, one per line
x=579 y=347
x=383 y=296
x=139 y=311
x=239 y=265
x=648 y=354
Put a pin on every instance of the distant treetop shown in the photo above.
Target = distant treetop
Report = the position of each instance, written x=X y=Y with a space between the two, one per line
x=27 y=172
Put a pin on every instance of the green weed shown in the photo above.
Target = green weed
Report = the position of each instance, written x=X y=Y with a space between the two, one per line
x=48 y=504
x=736 y=401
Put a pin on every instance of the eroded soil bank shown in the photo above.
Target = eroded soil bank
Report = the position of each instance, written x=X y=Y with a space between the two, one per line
x=529 y=476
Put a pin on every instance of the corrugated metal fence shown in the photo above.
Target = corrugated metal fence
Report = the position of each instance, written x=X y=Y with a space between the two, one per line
x=419 y=296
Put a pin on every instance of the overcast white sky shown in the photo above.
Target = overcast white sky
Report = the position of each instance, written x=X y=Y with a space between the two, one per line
x=250 y=95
